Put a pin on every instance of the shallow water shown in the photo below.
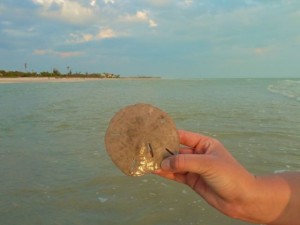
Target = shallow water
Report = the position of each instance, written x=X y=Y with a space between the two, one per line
x=53 y=164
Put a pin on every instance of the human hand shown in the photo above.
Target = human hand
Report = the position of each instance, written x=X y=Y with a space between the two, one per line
x=208 y=168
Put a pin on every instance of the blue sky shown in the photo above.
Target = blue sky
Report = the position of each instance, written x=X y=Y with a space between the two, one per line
x=169 y=38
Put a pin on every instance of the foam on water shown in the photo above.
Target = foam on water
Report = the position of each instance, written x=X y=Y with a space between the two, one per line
x=288 y=88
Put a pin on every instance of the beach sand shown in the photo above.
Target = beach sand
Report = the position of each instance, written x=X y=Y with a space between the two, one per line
x=46 y=79
x=6 y=80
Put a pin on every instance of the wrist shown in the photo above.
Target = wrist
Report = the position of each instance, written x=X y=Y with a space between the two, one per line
x=265 y=200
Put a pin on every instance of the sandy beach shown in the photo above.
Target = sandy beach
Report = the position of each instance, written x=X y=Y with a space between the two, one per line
x=46 y=79
x=7 y=80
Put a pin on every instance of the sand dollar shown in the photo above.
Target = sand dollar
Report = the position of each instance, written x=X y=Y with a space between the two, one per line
x=139 y=137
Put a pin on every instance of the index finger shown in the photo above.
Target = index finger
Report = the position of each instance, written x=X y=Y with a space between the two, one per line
x=196 y=141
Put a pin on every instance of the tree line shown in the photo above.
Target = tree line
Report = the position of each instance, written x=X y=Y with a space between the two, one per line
x=56 y=73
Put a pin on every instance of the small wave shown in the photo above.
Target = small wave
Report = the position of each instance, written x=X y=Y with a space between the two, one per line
x=288 y=88
x=102 y=200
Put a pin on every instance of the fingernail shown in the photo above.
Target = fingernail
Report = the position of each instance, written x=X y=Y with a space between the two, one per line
x=165 y=165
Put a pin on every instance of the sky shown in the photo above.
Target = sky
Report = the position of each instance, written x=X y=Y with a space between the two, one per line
x=167 y=38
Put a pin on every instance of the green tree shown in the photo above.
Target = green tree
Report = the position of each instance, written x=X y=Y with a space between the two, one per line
x=56 y=72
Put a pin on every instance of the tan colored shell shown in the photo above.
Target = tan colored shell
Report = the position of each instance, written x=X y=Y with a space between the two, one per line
x=139 y=137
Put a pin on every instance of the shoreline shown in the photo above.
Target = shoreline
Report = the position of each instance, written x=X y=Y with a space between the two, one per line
x=8 y=80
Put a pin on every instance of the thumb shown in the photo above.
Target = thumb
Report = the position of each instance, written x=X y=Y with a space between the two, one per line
x=185 y=163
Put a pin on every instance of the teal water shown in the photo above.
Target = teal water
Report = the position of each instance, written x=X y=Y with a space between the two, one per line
x=54 y=168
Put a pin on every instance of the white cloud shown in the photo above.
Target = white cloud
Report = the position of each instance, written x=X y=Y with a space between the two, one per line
x=40 y=52
x=185 y=3
x=62 y=54
x=140 y=16
x=47 y=3
x=68 y=54
x=19 y=33
x=66 y=10
x=87 y=37
x=159 y=3
x=152 y=23
x=93 y=3
x=109 y=1
x=104 y=33
x=79 y=38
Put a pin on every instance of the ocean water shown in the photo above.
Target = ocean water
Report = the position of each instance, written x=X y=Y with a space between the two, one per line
x=54 y=169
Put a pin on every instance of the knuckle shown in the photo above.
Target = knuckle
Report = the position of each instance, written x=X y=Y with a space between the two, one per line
x=208 y=142
x=213 y=142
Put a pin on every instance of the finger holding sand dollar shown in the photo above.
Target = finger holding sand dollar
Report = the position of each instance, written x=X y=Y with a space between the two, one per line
x=139 y=137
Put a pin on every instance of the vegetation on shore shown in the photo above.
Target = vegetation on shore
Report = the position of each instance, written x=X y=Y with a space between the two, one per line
x=56 y=74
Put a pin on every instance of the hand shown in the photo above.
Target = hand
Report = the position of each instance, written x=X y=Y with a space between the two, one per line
x=210 y=170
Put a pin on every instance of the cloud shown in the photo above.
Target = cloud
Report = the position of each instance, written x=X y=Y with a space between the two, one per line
x=140 y=16
x=79 y=38
x=152 y=23
x=195 y=31
x=104 y=33
x=20 y=33
x=93 y=3
x=40 y=52
x=159 y=3
x=68 y=54
x=109 y=2
x=62 y=54
x=66 y=10
x=188 y=2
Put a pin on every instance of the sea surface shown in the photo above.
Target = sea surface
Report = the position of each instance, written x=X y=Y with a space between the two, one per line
x=54 y=169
